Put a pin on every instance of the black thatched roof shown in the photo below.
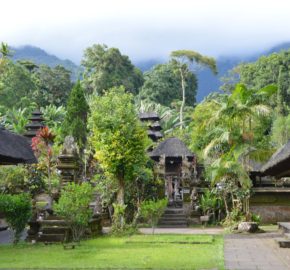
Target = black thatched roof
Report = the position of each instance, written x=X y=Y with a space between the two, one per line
x=279 y=163
x=172 y=147
x=155 y=126
x=145 y=116
x=14 y=148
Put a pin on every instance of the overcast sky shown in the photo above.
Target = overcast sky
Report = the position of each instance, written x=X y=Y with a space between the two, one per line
x=145 y=29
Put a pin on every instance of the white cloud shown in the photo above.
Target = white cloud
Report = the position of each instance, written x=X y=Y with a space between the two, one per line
x=146 y=29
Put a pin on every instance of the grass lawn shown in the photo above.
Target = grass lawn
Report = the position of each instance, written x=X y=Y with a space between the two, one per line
x=138 y=251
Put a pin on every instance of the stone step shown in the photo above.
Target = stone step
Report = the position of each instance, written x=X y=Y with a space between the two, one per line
x=172 y=226
x=176 y=222
x=54 y=230
x=51 y=223
x=172 y=219
x=174 y=216
x=173 y=211
x=283 y=242
x=50 y=238
x=284 y=226
x=53 y=217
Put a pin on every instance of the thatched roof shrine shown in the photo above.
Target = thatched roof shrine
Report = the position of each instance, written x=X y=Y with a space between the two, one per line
x=171 y=148
x=279 y=164
x=146 y=116
x=14 y=148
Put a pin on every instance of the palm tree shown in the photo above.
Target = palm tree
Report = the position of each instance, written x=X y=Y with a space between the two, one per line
x=184 y=60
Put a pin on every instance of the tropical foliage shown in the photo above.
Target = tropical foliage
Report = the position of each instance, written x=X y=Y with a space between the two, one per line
x=106 y=68
x=73 y=206
x=17 y=210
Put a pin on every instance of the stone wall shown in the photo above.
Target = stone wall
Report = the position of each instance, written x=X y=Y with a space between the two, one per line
x=271 y=207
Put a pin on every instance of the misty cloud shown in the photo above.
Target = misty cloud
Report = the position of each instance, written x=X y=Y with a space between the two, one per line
x=146 y=29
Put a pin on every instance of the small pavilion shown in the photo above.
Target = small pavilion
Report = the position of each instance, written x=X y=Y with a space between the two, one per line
x=271 y=198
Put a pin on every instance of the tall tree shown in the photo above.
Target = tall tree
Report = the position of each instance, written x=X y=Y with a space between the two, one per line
x=75 y=122
x=118 y=138
x=184 y=61
x=283 y=90
x=271 y=69
x=162 y=85
x=17 y=86
x=53 y=85
x=107 y=67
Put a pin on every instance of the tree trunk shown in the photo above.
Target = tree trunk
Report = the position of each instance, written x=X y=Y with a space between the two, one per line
x=121 y=191
x=183 y=98
x=226 y=205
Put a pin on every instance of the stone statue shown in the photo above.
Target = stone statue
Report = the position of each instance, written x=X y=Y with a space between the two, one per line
x=69 y=146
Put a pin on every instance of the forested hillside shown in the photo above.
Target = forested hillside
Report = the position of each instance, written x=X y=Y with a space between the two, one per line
x=39 y=56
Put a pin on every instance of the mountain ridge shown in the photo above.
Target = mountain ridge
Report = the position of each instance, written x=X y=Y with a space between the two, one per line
x=40 y=56
x=207 y=82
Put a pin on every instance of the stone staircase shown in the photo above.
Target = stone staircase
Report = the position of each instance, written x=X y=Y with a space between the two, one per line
x=284 y=240
x=173 y=218
x=52 y=230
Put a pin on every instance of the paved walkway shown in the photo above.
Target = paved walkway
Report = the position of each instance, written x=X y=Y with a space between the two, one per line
x=255 y=251
x=215 y=230
x=6 y=236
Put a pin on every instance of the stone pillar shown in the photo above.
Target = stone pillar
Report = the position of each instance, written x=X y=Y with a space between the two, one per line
x=68 y=162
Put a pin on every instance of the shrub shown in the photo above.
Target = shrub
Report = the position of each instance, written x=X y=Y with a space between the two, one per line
x=119 y=218
x=13 y=179
x=73 y=206
x=17 y=210
x=208 y=202
x=153 y=210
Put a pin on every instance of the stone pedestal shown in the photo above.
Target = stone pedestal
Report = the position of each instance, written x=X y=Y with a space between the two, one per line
x=67 y=164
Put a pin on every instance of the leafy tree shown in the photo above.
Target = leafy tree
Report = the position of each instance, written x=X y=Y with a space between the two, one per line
x=283 y=89
x=117 y=136
x=4 y=50
x=4 y=53
x=280 y=133
x=229 y=131
x=17 y=210
x=16 y=119
x=271 y=69
x=106 y=68
x=54 y=116
x=152 y=211
x=73 y=206
x=53 y=85
x=29 y=65
x=183 y=59
x=75 y=121
x=13 y=179
x=17 y=86
x=162 y=85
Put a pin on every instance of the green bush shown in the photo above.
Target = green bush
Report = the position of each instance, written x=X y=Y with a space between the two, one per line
x=73 y=206
x=17 y=210
x=208 y=202
x=119 y=224
x=256 y=218
x=152 y=211
x=13 y=179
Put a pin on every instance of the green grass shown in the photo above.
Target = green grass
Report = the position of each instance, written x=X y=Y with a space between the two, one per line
x=119 y=253
x=171 y=238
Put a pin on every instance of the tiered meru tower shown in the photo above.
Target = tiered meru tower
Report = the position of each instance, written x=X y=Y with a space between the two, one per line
x=151 y=119
x=35 y=124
